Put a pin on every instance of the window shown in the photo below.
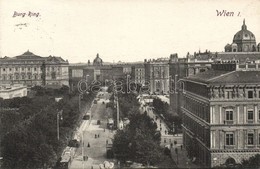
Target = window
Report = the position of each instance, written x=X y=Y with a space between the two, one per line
x=229 y=115
x=16 y=69
x=250 y=138
x=53 y=75
x=23 y=77
x=4 y=69
x=10 y=69
x=29 y=76
x=17 y=76
x=29 y=68
x=250 y=115
x=229 y=139
x=35 y=76
x=250 y=94
x=228 y=94
x=35 y=69
x=22 y=69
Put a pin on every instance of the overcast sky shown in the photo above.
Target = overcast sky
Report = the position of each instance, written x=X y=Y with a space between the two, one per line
x=125 y=30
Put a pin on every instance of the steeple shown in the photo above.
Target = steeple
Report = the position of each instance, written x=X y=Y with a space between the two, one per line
x=244 y=25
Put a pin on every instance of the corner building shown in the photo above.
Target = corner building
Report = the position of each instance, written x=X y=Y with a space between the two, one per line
x=221 y=114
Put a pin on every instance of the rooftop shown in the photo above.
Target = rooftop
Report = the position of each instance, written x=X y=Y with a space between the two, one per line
x=226 y=77
x=31 y=56
x=241 y=56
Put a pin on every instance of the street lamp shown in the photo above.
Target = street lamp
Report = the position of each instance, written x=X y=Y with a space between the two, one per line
x=59 y=117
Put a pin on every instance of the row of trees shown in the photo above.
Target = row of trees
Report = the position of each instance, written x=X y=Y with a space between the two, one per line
x=29 y=138
x=163 y=109
x=139 y=141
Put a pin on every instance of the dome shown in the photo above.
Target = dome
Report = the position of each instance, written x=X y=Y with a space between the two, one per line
x=97 y=61
x=244 y=34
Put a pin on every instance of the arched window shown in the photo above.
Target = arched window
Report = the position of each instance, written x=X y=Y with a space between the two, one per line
x=253 y=48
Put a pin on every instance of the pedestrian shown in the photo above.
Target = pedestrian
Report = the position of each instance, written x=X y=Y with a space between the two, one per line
x=104 y=129
x=95 y=136
x=98 y=135
x=107 y=141
x=88 y=145
x=181 y=147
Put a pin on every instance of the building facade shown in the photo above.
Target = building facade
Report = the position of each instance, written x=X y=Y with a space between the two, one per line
x=221 y=114
x=157 y=75
x=138 y=73
x=31 y=70
x=98 y=72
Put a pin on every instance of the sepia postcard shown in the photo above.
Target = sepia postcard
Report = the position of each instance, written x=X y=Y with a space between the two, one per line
x=99 y=84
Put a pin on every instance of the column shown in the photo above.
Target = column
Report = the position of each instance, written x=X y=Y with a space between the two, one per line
x=220 y=114
x=244 y=114
x=211 y=139
x=255 y=113
x=238 y=134
x=211 y=114
x=238 y=114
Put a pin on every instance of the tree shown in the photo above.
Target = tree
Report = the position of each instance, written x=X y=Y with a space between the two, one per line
x=139 y=141
x=121 y=144
x=162 y=108
x=45 y=156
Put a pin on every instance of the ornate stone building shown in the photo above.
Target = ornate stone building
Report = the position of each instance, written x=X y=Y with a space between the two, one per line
x=221 y=114
x=30 y=69
x=157 y=75
x=97 y=71
x=243 y=41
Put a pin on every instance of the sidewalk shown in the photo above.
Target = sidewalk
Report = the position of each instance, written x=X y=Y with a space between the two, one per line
x=182 y=160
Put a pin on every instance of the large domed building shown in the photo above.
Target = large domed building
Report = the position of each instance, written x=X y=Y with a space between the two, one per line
x=243 y=41
x=98 y=61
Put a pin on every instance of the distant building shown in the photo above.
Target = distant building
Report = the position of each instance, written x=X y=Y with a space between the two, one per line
x=243 y=41
x=138 y=73
x=98 y=71
x=31 y=70
x=97 y=61
x=12 y=91
x=244 y=55
x=157 y=75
